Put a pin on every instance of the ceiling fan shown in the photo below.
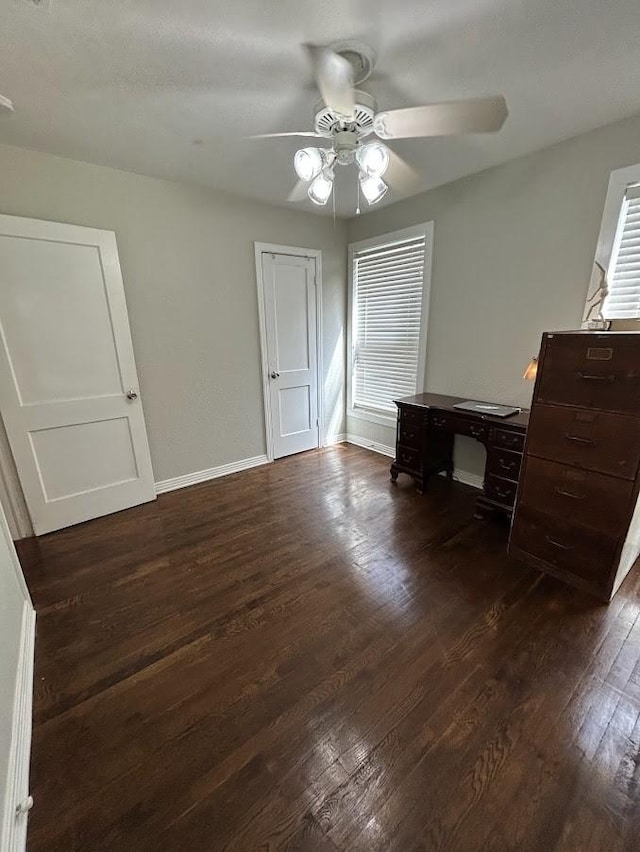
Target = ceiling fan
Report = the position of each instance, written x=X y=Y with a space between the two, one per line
x=347 y=116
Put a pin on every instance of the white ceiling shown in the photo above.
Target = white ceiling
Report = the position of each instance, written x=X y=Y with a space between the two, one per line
x=132 y=83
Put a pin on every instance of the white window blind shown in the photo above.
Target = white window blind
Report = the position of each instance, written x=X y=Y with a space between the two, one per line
x=387 y=310
x=623 y=301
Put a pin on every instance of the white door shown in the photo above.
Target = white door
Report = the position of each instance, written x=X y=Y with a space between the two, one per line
x=292 y=358
x=68 y=385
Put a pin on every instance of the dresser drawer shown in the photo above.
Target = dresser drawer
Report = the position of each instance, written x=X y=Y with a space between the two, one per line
x=591 y=371
x=565 y=547
x=595 y=440
x=583 y=497
x=408 y=459
x=504 y=463
x=501 y=491
x=410 y=436
x=508 y=440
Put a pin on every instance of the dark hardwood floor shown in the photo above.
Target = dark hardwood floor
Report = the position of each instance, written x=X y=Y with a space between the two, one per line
x=306 y=657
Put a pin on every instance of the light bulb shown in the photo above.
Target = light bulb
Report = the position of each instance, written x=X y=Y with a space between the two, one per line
x=373 y=158
x=373 y=188
x=320 y=190
x=308 y=163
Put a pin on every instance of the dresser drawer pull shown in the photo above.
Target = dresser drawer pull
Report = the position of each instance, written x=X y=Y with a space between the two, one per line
x=557 y=544
x=503 y=493
x=476 y=431
x=578 y=440
x=439 y=421
x=510 y=465
x=589 y=377
x=564 y=493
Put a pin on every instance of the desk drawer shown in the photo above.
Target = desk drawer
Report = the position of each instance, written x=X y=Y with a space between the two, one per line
x=591 y=372
x=410 y=436
x=408 y=459
x=594 y=440
x=504 y=463
x=563 y=546
x=508 y=440
x=411 y=417
x=589 y=499
x=460 y=425
x=501 y=491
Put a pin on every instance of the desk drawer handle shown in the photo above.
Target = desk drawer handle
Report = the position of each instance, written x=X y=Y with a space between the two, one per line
x=590 y=377
x=578 y=440
x=557 y=544
x=476 y=432
x=511 y=465
x=504 y=493
x=564 y=493
x=439 y=421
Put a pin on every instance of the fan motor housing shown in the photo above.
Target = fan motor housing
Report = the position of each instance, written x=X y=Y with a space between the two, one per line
x=328 y=123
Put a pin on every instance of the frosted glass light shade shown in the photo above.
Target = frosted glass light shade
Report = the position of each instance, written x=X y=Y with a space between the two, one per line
x=373 y=158
x=308 y=163
x=320 y=190
x=373 y=187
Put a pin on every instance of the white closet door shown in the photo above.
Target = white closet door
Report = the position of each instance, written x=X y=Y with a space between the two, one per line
x=290 y=319
x=68 y=383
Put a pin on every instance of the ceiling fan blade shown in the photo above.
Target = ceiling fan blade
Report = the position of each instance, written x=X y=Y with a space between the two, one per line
x=334 y=76
x=299 y=192
x=309 y=133
x=400 y=176
x=480 y=115
x=5 y=104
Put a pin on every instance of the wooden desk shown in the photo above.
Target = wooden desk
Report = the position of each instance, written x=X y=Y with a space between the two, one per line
x=426 y=427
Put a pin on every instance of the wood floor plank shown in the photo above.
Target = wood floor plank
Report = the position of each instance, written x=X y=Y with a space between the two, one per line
x=306 y=657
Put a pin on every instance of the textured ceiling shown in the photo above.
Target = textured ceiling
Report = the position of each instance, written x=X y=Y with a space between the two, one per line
x=132 y=83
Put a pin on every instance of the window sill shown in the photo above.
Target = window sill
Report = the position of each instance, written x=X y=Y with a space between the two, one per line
x=373 y=417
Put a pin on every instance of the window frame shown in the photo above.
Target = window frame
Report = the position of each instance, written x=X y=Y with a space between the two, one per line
x=619 y=181
x=425 y=230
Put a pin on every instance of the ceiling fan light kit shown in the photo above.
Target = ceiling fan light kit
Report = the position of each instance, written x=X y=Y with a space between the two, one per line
x=373 y=187
x=321 y=187
x=308 y=163
x=346 y=116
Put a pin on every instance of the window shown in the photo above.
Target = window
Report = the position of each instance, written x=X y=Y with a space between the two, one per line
x=389 y=303
x=623 y=301
x=618 y=249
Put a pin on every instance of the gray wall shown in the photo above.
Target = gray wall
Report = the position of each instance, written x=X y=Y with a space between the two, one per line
x=513 y=251
x=188 y=264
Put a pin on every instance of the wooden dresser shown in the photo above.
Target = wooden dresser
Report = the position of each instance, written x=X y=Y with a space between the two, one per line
x=427 y=424
x=577 y=512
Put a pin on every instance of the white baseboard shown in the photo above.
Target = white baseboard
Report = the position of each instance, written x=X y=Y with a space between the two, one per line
x=14 y=827
x=463 y=476
x=212 y=473
x=371 y=445
x=467 y=478
x=339 y=438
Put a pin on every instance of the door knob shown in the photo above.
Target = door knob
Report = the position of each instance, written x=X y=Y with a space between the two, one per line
x=275 y=375
x=25 y=806
x=131 y=394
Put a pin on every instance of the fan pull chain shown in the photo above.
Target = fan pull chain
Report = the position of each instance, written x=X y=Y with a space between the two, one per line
x=333 y=202
x=357 y=198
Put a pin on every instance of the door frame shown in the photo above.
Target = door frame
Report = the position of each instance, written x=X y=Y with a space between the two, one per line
x=295 y=251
